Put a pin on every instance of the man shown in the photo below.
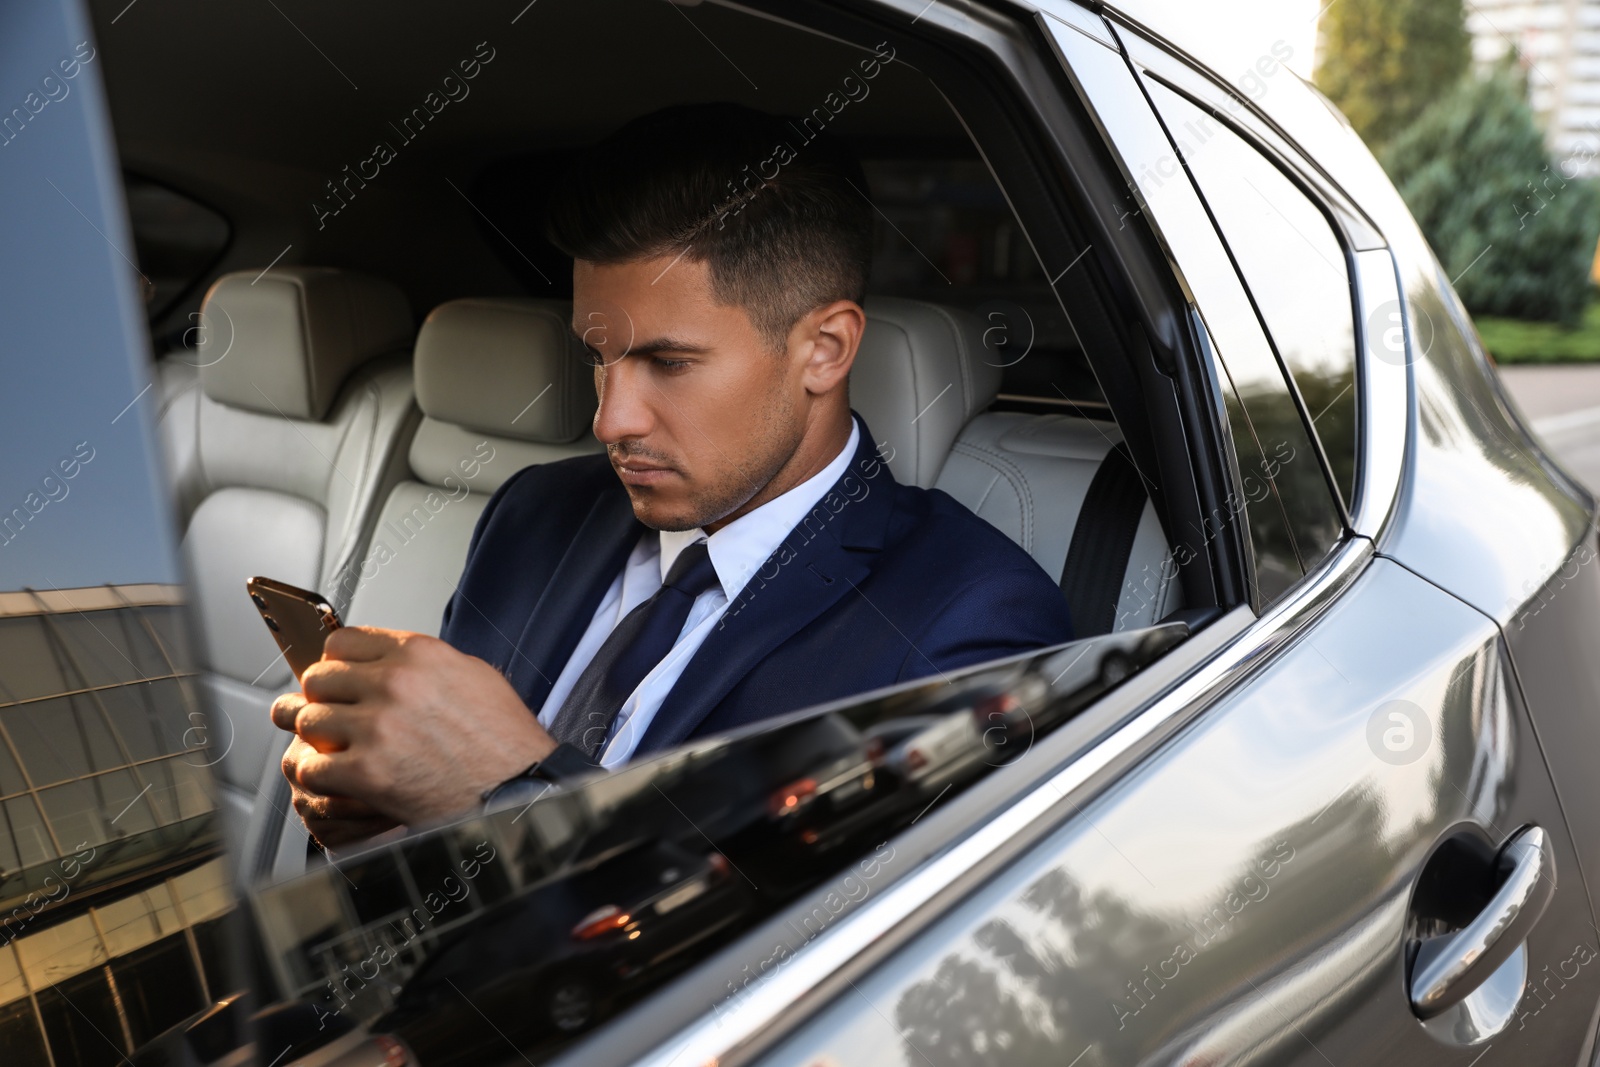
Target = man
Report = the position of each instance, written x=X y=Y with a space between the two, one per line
x=739 y=552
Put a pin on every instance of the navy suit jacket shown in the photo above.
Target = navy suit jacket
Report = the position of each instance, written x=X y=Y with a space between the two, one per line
x=880 y=583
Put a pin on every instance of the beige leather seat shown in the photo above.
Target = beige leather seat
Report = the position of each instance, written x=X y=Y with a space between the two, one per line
x=279 y=447
x=502 y=386
x=923 y=380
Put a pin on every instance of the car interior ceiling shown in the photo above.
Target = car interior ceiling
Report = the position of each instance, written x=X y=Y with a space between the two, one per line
x=456 y=213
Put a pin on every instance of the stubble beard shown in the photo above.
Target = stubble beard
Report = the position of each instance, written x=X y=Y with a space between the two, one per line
x=739 y=484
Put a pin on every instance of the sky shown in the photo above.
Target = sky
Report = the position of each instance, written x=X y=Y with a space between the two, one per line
x=1256 y=24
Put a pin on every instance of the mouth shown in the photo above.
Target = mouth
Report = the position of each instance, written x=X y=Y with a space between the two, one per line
x=638 y=472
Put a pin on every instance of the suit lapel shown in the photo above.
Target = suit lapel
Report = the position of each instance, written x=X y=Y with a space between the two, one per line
x=593 y=558
x=821 y=561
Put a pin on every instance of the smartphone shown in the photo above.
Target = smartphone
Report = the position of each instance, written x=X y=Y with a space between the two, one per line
x=299 y=619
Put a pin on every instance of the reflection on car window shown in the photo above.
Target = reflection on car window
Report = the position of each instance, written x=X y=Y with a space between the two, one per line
x=105 y=764
x=1295 y=269
x=547 y=919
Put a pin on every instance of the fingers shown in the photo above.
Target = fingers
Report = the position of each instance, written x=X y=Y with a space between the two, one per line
x=325 y=727
x=338 y=821
x=292 y=765
x=285 y=709
x=331 y=774
x=339 y=681
x=344 y=809
x=328 y=727
x=361 y=643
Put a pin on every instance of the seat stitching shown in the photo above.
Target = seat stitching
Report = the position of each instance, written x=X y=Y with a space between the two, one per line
x=988 y=490
x=1013 y=474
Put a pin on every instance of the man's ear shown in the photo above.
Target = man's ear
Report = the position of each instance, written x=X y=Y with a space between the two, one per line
x=829 y=337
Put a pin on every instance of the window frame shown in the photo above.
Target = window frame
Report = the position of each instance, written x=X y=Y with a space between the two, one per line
x=1286 y=377
x=1382 y=374
x=1340 y=234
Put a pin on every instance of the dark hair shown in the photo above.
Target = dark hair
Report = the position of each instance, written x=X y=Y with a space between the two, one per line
x=782 y=220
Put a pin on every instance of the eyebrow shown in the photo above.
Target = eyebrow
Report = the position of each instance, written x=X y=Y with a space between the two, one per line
x=658 y=344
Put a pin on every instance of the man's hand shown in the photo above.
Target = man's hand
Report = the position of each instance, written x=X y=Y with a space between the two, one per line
x=333 y=821
x=405 y=726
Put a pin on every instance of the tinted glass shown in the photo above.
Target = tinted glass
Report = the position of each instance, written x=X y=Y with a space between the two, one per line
x=1295 y=268
x=177 y=240
x=94 y=785
x=160 y=987
x=547 y=919
x=97 y=822
x=1259 y=497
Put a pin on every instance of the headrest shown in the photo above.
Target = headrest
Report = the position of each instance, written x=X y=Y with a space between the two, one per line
x=506 y=366
x=922 y=371
x=284 y=341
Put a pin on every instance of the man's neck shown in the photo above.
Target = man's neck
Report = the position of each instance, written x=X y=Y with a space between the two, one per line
x=820 y=447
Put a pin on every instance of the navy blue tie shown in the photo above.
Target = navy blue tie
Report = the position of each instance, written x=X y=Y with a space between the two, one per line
x=639 y=642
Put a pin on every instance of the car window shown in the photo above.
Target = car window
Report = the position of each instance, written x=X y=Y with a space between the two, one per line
x=177 y=241
x=977 y=257
x=1295 y=269
x=105 y=757
x=549 y=917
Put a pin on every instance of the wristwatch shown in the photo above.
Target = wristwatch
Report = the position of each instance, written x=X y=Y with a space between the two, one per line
x=564 y=763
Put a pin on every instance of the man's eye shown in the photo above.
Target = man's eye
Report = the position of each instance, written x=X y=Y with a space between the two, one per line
x=669 y=364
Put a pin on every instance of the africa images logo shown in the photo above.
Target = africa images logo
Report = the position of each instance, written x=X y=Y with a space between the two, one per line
x=1399 y=732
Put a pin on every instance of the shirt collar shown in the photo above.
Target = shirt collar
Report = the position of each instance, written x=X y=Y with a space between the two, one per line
x=743 y=545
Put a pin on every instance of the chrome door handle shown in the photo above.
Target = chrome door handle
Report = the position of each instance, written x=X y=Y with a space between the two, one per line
x=1448 y=968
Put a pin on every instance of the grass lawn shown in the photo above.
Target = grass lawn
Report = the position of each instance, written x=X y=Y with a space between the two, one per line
x=1517 y=341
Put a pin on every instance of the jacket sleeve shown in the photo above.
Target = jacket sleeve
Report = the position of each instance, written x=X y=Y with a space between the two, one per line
x=445 y=632
x=999 y=614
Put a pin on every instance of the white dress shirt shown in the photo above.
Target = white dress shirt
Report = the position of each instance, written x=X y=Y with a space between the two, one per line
x=737 y=551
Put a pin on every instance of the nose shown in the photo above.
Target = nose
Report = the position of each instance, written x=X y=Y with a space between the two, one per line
x=624 y=412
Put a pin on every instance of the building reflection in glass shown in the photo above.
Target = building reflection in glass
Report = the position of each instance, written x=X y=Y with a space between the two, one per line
x=113 y=887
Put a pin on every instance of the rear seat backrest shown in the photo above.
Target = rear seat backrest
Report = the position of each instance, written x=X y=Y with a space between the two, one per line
x=921 y=373
x=284 y=464
x=923 y=378
x=502 y=386
x=1029 y=476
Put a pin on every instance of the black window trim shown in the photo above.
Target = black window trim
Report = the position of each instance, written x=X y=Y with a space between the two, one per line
x=1342 y=507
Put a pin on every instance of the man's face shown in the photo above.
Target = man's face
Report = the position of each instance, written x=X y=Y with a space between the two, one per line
x=697 y=414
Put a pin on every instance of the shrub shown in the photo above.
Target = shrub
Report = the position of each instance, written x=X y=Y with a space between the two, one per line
x=1514 y=228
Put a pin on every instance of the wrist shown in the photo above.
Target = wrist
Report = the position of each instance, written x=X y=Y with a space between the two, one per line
x=561 y=763
x=512 y=755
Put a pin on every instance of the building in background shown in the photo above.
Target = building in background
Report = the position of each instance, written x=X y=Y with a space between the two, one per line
x=1559 y=42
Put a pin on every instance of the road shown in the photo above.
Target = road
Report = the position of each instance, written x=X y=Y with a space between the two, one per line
x=1563 y=402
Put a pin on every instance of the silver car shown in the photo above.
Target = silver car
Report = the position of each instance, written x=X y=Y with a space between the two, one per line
x=1313 y=785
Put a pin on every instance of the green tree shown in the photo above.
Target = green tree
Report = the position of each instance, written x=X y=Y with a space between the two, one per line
x=1513 y=226
x=1385 y=61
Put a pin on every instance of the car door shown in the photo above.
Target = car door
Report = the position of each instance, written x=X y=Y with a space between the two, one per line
x=1295 y=866
x=115 y=905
